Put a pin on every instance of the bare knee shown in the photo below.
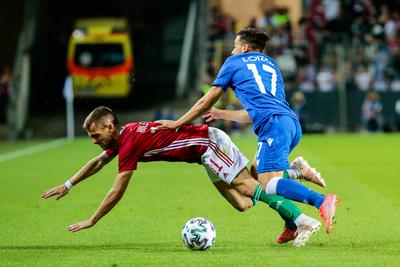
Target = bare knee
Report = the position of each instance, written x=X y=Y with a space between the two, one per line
x=244 y=205
x=265 y=177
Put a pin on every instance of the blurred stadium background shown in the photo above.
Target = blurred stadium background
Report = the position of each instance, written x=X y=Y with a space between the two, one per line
x=340 y=59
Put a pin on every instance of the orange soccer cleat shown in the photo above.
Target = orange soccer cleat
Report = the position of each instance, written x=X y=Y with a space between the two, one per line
x=327 y=211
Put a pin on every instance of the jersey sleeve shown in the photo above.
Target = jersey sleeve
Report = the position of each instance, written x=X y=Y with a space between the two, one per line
x=129 y=164
x=128 y=158
x=224 y=78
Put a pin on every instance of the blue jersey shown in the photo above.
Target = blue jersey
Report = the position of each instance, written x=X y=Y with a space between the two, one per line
x=257 y=82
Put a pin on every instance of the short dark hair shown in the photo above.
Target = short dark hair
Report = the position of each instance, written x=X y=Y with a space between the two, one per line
x=256 y=38
x=99 y=113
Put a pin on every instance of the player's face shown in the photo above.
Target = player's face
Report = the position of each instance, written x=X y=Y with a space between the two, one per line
x=102 y=134
x=239 y=47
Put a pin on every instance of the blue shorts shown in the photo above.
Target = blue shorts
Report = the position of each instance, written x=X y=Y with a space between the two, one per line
x=276 y=140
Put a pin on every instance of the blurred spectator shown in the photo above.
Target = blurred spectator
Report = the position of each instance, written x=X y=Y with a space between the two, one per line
x=265 y=22
x=280 y=18
x=300 y=45
x=371 y=112
x=369 y=49
x=326 y=79
x=165 y=113
x=358 y=29
x=306 y=78
x=380 y=66
x=397 y=116
x=5 y=80
x=287 y=64
x=298 y=105
x=362 y=78
x=380 y=84
x=391 y=27
x=346 y=75
x=315 y=22
x=332 y=12
x=220 y=23
x=395 y=84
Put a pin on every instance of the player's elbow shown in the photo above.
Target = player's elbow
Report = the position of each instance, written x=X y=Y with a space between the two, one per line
x=204 y=105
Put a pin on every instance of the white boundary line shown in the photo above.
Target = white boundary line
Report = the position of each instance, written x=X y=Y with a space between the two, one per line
x=33 y=149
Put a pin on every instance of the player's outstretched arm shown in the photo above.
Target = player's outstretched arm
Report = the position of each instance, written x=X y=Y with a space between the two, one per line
x=229 y=115
x=90 y=168
x=109 y=202
x=203 y=105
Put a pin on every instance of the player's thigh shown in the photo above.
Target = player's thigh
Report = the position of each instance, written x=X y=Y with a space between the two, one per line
x=233 y=196
x=245 y=183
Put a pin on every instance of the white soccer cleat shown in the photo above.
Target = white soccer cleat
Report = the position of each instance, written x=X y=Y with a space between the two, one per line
x=305 y=231
x=307 y=173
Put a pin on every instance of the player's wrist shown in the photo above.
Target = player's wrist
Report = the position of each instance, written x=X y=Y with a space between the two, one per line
x=68 y=184
x=93 y=219
x=178 y=124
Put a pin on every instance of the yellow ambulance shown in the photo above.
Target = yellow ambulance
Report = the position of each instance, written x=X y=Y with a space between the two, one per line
x=100 y=59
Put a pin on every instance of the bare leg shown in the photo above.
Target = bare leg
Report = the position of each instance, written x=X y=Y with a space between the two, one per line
x=233 y=196
x=265 y=177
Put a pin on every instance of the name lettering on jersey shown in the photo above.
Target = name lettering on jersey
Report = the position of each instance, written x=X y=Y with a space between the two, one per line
x=142 y=127
x=257 y=58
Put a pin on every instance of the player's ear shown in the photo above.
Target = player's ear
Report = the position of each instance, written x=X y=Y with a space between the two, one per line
x=245 y=48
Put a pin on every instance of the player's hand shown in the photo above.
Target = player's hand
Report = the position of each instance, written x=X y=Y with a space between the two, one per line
x=80 y=225
x=213 y=114
x=166 y=124
x=58 y=191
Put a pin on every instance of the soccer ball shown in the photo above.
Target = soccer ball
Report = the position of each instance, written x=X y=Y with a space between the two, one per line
x=198 y=234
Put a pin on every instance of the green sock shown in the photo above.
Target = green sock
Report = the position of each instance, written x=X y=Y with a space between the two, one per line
x=286 y=208
x=285 y=174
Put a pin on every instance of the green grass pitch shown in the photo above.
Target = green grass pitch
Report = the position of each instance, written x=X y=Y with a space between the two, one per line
x=145 y=227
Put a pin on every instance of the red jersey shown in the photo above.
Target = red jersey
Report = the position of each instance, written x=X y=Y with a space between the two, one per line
x=143 y=142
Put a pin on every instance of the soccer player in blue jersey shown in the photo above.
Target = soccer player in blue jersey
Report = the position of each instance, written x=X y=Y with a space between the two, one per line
x=257 y=82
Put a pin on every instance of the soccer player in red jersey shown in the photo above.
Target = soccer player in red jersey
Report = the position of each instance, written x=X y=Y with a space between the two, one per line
x=208 y=146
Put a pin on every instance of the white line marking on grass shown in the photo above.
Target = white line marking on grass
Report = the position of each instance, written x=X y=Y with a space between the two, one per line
x=33 y=149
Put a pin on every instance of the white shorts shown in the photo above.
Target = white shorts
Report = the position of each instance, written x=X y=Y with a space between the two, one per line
x=222 y=160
